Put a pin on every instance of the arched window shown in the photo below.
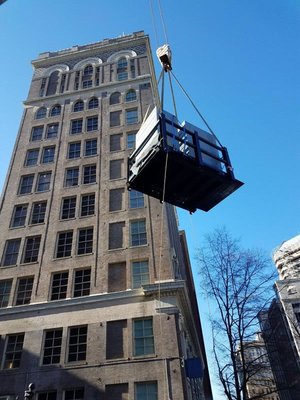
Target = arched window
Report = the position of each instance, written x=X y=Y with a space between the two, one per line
x=131 y=95
x=41 y=113
x=122 y=73
x=55 y=110
x=88 y=70
x=87 y=77
x=78 y=106
x=93 y=103
x=115 y=98
x=52 y=84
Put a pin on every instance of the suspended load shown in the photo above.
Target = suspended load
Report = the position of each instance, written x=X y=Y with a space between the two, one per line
x=180 y=164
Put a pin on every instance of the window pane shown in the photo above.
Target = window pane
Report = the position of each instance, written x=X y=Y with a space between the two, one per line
x=146 y=391
x=13 y=352
x=77 y=343
x=131 y=95
x=38 y=212
x=82 y=283
x=140 y=273
x=74 y=150
x=52 y=346
x=115 y=98
x=64 y=244
x=85 y=241
x=131 y=116
x=48 y=155
x=89 y=174
x=47 y=396
x=117 y=280
x=24 y=291
x=90 y=148
x=131 y=136
x=37 y=133
x=116 y=339
x=115 y=118
x=76 y=126
x=31 y=252
x=136 y=199
x=138 y=233
x=11 y=252
x=43 y=182
x=52 y=131
x=115 y=169
x=5 y=287
x=78 y=106
x=93 y=103
x=91 y=124
x=31 y=157
x=19 y=216
x=55 y=110
x=71 y=178
x=74 y=394
x=41 y=113
x=116 y=199
x=59 y=286
x=68 y=208
x=143 y=337
x=26 y=184
x=87 y=205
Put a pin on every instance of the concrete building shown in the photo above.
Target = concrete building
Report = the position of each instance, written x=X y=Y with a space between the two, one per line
x=281 y=322
x=96 y=291
x=260 y=377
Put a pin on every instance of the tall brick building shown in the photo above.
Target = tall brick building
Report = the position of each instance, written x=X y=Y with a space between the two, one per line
x=96 y=292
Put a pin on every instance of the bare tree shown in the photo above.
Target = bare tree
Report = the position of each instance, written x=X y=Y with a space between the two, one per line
x=239 y=281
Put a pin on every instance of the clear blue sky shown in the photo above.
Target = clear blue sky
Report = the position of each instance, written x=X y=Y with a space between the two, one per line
x=238 y=59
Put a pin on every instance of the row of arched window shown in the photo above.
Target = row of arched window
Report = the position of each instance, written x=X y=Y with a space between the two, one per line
x=115 y=98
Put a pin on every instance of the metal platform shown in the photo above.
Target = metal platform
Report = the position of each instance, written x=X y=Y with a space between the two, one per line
x=198 y=171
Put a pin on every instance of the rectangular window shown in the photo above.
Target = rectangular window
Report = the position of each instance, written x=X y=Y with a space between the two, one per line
x=143 y=337
x=19 y=216
x=48 y=155
x=74 y=150
x=38 y=212
x=24 y=291
x=71 y=177
x=31 y=157
x=85 y=241
x=115 y=142
x=115 y=118
x=59 y=286
x=76 y=126
x=115 y=169
x=131 y=116
x=91 y=124
x=31 y=252
x=64 y=244
x=136 y=199
x=26 y=183
x=140 y=273
x=13 y=351
x=138 y=234
x=82 y=282
x=87 y=205
x=117 y=391
x=47 y=395
x=89 y=174
x=77 y=343
x=11 y=252
x=87 y=84
x=116 y=199
x=68 y=208
x=115 y=239
x=43 y=182
x=90 y=148
x=116 y=281
x=146 y=391
x=131 y=136
x=5 y=288
x=74 y=394
x=116 y=339
x=52 y=131
x=37 y=133
x=52 y=346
